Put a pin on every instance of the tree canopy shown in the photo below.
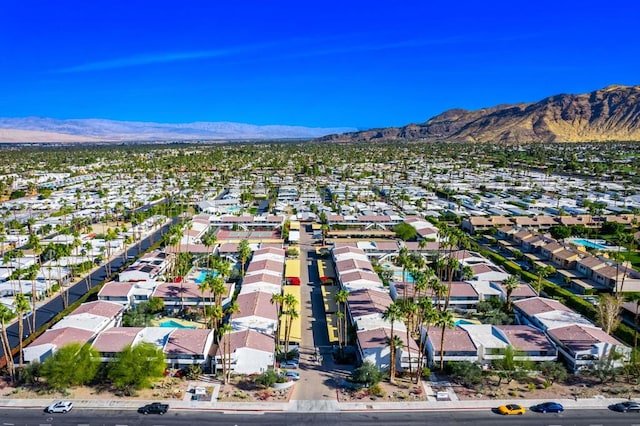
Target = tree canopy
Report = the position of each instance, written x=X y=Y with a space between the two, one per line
x=136 y=367
x=72 y=365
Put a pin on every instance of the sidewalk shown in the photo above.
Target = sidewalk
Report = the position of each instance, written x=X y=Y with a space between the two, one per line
x=314 y=406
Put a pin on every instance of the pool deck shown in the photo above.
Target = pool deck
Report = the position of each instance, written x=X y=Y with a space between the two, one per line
x=184 y=323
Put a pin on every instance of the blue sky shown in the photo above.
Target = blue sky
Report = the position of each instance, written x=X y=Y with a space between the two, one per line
x=314 y=63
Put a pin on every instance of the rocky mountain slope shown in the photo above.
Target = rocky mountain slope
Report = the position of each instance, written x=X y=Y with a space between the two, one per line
x=37 y=129
x=610 y=114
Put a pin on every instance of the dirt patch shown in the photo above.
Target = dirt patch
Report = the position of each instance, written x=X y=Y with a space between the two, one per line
x=244 y=389
x=535 y=388
x=403 y=390
x=167 y=388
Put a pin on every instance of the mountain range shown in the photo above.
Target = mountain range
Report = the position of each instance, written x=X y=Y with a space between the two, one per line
x=40 y=130
x=609 y=114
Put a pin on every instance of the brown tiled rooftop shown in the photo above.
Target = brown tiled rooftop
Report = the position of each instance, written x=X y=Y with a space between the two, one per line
x=187 y=341
x=100 y=308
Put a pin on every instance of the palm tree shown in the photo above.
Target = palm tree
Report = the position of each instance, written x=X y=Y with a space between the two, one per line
x=31 y=274
x=340 y=316
x=292 y=314
x=445 y=320
x=404 y=260
x=541 y=272
x=510 y=284
x=277 y=299
x=427 y=315
x=410 y=313
x=289 y=308
x=6 y=315
x=20 y=305
x=341 y=298
x=392 y=314
x=209 y=242
x=224 y=337
x=244 y=251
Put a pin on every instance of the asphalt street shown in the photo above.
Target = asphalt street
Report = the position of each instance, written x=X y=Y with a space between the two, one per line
x=177 y=418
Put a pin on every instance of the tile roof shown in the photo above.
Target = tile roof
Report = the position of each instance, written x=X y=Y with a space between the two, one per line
x=115 y=339
x=455 y=339
x=257 y=304
x=99 y=308
x=188 y=341
x=581 y=338
x=539 y=305
x=526 y=337
x=63 y=336
x=368 y=302
x=251 y=339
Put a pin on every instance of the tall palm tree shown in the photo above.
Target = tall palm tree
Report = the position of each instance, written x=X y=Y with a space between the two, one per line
x=224 y=339
x=292 y=314
x=410 y=314
x=31 y=274
x=445 y=320
x=427 y=315
x=341 y=298
x=6 y=315
x=541 y=272
x=244 y=252
x=277 y=299
x=21 y=306
x=290 y=309
x=36 y=246
x=510 y=284
x=404 y=260
x=392 y=314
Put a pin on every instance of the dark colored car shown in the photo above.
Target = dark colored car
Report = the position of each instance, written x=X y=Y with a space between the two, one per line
x=626 y=407
x=548 y=407
x=154 y=408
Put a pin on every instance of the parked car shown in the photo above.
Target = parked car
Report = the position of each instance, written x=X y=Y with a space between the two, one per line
x=292 y=364
x=511 y=409
x=626 y=407
x=60 y=407
x=293 y=375
x=548 y=407
x=154 y=408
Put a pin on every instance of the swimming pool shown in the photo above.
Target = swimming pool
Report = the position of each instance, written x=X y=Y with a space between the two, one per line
x=590 y=243
x=203 y=274
x=173 y=324
x=462 y=322
x=397 y=276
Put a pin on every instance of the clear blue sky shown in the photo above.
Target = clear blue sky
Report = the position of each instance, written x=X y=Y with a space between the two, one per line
x=313 y=63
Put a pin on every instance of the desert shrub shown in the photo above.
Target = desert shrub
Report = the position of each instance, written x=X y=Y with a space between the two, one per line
x=376 y=390
x=367 y=373
x=267 y=379
x=426 y=372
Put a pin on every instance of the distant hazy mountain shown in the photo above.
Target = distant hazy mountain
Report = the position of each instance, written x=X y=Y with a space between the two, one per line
x=37 y=129
x=610 y=114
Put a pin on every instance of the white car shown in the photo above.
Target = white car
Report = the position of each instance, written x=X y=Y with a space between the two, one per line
x=289 y=364
x=60 y=407
x=292 y=375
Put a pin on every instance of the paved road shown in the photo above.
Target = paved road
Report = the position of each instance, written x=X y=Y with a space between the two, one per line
x=317 y=380
x=51 y=308
x=188 y=418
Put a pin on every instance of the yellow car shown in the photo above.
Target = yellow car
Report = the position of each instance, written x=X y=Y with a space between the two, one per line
x=510 y=409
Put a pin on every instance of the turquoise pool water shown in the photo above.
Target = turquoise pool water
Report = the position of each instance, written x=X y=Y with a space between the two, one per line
x=462 y=322
x=203 y=274
x=173 y=324
x=397 y=276
x=589 y=244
